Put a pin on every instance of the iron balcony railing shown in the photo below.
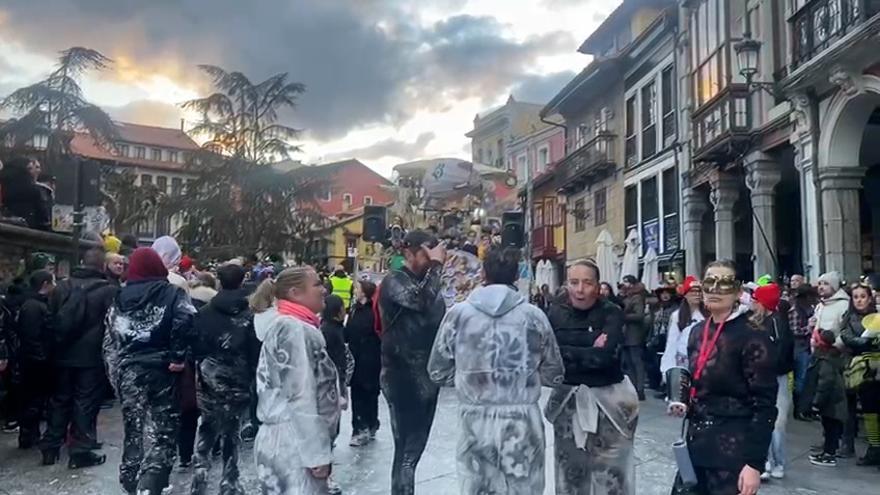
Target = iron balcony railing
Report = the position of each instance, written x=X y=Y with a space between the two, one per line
x=818 y=24
x=588 y=158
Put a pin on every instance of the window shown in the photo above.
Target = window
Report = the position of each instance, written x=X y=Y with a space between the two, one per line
x=146 y=179
x=583 y=135
x=631 y=208
x=670 y=210
x=667 y=105
x=521 y=167
x=176 y=186
x=368 y=200
x=649 y=120
x=346 y=201
x=140 y=152
x=538 y=216
x=123 y=150
x=580 y=216
x=172 y=156
x=156 y=155
x=500 y=145
x=162 y=184
x=599 y=206
x=480 y=155
x=543 y=157
x=324 y=193
x=709 y=49
x=631 y=139
x=650 y=205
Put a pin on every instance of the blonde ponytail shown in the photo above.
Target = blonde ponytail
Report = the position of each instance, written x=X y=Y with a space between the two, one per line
x=263 y=298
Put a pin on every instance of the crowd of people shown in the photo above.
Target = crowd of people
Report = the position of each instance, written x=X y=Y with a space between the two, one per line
x=202 y=357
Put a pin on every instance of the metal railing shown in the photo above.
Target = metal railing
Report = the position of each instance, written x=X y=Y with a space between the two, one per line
x=597 y=151
x=818 y=24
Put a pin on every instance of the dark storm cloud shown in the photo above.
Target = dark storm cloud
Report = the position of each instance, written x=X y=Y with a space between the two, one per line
x=388 y=148
x=363 y=61
x=540 y=88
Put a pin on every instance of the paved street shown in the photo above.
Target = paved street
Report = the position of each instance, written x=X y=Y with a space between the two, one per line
x=366 y=471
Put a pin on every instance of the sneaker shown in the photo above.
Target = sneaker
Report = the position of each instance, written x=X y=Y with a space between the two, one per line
x=10 y=427
x=765 y=476
x=817 y=449
x=333 y=487
x=778 y=472
x=359 y=440
x=85 y=459
x=824 y=460
x=249 y=432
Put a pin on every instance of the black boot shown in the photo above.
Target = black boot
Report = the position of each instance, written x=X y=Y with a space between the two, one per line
x=85 y=459
x=50 y=457
x=871 y=458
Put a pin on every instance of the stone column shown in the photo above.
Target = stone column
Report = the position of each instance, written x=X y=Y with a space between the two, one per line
x=725 y=191
x=839 y=187
x=762 y=176
x=695 y=206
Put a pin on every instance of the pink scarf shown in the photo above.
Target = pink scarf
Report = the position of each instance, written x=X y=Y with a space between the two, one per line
x=298 y=311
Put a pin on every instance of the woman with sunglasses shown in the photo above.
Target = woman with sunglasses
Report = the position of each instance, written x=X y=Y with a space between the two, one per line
x=867 y=345
x=733 y=398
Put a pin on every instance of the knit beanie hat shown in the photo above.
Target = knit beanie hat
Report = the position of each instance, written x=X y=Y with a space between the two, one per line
x=145 y=263
x=833 y=279
x=168 y=250
x=768 y=296
x=186 y=264
x=764 y=280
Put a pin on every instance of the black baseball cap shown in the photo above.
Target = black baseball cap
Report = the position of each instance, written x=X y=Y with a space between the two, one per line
x=416 y=238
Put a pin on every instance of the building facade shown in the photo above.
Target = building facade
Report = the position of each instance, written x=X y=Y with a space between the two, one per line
x=348 y=186
x=494 y=130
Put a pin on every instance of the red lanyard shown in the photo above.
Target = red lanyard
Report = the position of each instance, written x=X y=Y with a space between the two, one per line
x=706 y=347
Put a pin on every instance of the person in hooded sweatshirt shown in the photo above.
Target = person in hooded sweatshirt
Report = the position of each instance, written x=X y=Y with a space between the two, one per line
x=497 y=349
x=79 y=389
x=35 y=354
x=297 y=386
x=366 y=348
x=169 y=251
x=411 y=308
x=148 y=337
x=226 y=350
x=825 y=389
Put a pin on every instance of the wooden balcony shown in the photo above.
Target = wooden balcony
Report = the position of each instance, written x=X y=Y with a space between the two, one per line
x=819 y=24
x=544 y=242
x=591 y=162
x=721 y=125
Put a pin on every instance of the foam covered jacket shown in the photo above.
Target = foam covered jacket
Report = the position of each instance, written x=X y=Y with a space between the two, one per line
x=732 y=415
x=226 y=346
x=577 y=330
x=498 y=350
x=149 y=324
x=82 y=349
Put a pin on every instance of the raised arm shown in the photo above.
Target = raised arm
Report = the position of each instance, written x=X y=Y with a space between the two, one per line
x=418 y=296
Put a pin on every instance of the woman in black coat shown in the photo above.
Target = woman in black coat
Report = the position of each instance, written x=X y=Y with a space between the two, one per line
x=366 y=347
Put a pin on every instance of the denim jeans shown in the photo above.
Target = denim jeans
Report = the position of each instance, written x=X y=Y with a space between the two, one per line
x=801 y=363
x=776 y=455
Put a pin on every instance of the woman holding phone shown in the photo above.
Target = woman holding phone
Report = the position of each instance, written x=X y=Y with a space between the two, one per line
x=732 y=406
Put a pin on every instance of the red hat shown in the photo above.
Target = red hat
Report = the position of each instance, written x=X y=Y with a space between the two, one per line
x=690 y=282
x=144 y=263
x=768 y=296
x=186 y=264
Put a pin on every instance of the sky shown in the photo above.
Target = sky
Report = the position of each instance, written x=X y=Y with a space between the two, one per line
x=387 y=81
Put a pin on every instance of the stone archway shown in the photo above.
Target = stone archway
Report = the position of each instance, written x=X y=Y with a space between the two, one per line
x=840 y=169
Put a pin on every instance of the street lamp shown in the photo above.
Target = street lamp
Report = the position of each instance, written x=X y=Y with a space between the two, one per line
x=747 y=51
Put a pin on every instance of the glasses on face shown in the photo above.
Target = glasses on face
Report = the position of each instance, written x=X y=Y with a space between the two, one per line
x=720 y=284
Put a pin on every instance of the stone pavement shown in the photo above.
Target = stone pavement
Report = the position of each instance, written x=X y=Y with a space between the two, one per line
x=366 y=471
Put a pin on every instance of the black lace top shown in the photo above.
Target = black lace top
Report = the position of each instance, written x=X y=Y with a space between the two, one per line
x=732 y=415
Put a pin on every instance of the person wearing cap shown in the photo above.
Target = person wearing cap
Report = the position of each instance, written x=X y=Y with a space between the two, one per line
x=765 y=313
x=411 y=308
x=169 y=251
x=667 y=303
x=825 y=389
x=149 y=333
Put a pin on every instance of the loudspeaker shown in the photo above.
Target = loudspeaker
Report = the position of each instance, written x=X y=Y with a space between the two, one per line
x=374 y=223
x=89 y=182
x=512 y=234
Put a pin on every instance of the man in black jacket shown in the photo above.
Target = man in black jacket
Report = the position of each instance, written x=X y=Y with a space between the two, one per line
x=411 y=310
x=79 y=387
x=635 y=332
x=227 y=351
x=35 y=357
x=592 y=456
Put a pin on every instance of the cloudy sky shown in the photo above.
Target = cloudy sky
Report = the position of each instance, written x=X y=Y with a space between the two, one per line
x=387 y=81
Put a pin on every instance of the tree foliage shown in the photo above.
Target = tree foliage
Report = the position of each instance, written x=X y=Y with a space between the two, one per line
x=238 y=203
x=127 y=203
x=55 y=107
x=241 y=118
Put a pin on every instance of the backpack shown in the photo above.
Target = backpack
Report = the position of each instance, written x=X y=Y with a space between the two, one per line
x=70 y=315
